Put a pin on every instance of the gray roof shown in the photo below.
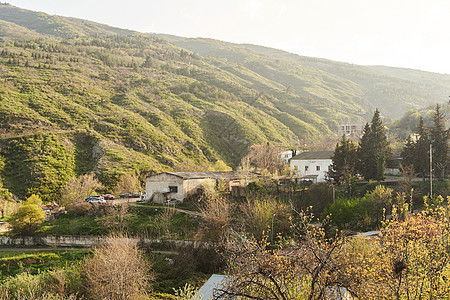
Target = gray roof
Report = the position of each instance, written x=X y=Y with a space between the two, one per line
x=313 y=155
x=203 y=175
x=207 y=290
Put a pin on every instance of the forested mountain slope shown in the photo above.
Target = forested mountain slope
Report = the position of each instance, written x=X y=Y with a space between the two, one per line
x=78 y=96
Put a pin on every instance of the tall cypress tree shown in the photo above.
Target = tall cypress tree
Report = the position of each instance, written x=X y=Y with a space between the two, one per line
x=409 y=153
x=379 y=138
x=343 y=161
x=373 y=149
x=439 y=138
x=365 y=162
x=422 y=150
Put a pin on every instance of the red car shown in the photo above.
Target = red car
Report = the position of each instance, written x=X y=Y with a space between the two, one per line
x=108 y=197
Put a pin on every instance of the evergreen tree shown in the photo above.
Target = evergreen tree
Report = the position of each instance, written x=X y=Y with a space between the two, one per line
x=422 y=151
x=373 y=145
x=365 y=163
x=409 y=153
x=343 y=161
x=380 y=167
x=439 y=138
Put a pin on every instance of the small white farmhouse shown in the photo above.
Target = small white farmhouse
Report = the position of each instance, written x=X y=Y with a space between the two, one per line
x=311 y=165
x=180 y=185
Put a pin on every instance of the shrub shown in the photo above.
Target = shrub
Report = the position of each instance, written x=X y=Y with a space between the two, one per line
x=259 y=213
x=24 y=284
x=52 y=285
x=64 y=282
x=318 y=196
x=354 y=213
x=216 y=212
x=117 y=270
x=81 y=209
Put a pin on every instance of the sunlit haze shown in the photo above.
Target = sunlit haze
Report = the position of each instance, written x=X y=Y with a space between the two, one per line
x=411 y=34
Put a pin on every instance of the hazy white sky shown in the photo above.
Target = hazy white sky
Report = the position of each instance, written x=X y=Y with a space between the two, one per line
x=412 y=33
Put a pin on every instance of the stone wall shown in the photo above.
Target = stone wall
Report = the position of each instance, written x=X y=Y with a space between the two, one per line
x=90 y=241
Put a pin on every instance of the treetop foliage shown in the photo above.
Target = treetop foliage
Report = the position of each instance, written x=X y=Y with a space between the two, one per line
x=416 y=152
x=374 y=150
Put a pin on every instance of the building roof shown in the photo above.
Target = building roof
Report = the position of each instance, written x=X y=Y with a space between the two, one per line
x=313 y=155
x=203 y=175
x=206 y=292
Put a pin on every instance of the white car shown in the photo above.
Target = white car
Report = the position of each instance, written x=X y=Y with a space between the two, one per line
x=95 y=199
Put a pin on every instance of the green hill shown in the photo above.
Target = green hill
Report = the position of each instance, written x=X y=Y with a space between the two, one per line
x=78 y=96
x=341 y=86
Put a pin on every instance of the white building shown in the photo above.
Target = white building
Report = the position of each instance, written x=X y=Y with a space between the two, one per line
x=312 y=165
x=286 y=155
x=180 y=185
x=352 y=128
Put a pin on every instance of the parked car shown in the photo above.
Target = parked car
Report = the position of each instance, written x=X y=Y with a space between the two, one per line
x=125 y=195
x=135 y=195
x=97 y=201
x=109 y=197
x=93 y=197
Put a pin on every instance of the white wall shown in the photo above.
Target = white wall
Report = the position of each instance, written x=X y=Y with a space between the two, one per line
x=312 y=165
x=160 y=182
x=190 y=186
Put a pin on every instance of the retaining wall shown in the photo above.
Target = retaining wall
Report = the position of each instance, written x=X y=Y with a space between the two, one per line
x=89 y=241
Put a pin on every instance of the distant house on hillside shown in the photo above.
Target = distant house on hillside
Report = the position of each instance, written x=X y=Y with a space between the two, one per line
x=312 y=165
x=352 y=128
x=180 y=185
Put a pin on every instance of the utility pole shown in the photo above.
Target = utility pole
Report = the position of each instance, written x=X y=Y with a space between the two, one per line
x=431 y=171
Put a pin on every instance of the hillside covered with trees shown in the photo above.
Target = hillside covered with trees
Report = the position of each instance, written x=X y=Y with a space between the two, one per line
x=79 y=97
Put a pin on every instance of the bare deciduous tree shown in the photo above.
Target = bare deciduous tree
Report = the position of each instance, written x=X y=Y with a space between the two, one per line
x=78 y=189
x=117 y=271
x=117 y=219
x=128 y=183
x=216 y=212
x=265 y=157
x=296 y=270
x=408 y=260
x=408 y=174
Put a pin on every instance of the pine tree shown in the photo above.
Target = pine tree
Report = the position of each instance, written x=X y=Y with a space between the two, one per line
x=373 y=146
x=439 y=138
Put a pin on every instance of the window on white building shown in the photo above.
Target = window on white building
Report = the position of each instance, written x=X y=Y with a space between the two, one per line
x=306 y=168
x=317 y=168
